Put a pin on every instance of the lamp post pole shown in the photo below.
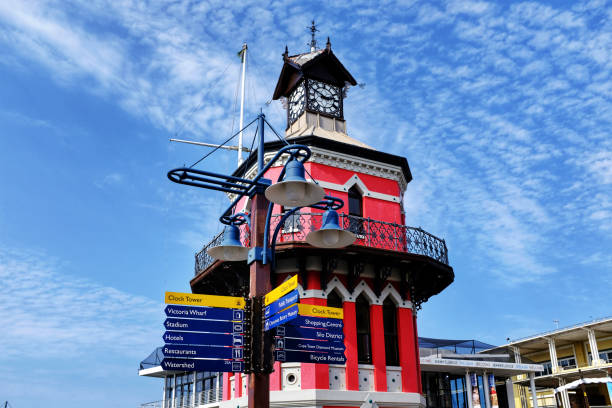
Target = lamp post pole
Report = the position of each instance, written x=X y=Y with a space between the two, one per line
x=259 y=383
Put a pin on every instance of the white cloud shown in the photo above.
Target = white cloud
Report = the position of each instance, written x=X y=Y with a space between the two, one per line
x=49 y=314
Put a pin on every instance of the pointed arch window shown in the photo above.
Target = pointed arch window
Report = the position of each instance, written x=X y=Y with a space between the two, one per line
x=334 y=299
x=355 y=201
x=364 y=342
x=390 y=327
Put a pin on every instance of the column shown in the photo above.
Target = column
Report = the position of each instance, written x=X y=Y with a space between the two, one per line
x=218 y=387
x=195 y=394
x=276 y=381
x=238 y=384
x=468 y=389
x=406 y=346
x=552 y=351
x=487 y=390
x=534 y=396
x=510 y=392
x=593 y=347
x=314 y=376
x=350 y=342
x=174 y=393
x=416 y=350
x=164 y=395
x=227 y=387
x=379 y=359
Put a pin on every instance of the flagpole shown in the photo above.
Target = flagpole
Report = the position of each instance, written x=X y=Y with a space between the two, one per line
x=243 y=52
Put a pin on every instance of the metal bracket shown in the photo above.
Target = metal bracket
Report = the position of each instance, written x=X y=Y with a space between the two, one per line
x=256 y=254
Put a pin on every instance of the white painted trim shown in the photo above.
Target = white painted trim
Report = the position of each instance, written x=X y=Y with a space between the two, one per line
x=362 y=287
x=344 y=293
x=390 y=291
x=317 y=398
x=312 y=293
x=356 y=181
x=343 y=161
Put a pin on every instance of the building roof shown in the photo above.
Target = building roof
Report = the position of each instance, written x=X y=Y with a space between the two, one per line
x=562 y=336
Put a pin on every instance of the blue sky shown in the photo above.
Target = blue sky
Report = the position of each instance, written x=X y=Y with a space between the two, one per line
x=503 y=111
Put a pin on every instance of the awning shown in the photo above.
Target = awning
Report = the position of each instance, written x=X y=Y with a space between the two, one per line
x=575 y=384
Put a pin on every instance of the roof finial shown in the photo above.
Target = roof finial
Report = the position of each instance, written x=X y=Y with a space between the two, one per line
x=328 y=45
x=313 y=42
x=286 y=53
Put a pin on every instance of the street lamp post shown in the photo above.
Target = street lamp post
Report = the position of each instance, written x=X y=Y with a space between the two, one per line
x=291 y=190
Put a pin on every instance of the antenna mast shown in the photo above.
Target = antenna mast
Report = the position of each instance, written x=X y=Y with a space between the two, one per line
x=243 y=53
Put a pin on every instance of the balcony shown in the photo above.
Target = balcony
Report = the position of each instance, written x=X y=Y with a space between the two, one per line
x=370 y=233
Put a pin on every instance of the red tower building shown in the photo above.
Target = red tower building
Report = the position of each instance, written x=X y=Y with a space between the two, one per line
x=380 y=281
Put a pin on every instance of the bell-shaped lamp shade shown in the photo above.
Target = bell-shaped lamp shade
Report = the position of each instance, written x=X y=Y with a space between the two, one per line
x=294 y=190
x=230 y=249
x=330 y=235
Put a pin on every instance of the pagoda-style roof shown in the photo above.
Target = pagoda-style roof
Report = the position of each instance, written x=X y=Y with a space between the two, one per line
x=318 y=64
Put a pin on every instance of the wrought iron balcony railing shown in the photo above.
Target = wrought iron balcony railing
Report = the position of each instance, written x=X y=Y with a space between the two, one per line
x=370 y=233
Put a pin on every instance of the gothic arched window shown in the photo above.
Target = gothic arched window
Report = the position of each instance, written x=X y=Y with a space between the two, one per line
x=334 y=299
x=364 y=345
x=355 y=202
x=390 y=327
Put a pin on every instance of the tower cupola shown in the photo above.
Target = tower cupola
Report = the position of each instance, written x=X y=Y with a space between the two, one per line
x=313 y=86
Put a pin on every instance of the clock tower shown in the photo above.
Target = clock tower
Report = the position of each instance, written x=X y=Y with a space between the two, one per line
x=312 y=86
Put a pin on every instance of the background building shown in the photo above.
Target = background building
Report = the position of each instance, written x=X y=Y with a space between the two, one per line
x=577 y=363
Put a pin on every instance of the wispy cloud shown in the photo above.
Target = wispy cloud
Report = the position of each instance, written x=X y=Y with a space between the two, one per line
x=49 y=314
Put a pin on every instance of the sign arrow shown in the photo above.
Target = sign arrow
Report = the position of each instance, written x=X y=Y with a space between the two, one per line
x=316 y=334
x=309 y=345
x=210 y=326
x=308 y=357
x=181 y=351
x=178 y=364
x=200 y=312
x=281 y=318
x=317 y=323
x=206 y=339
x=282 y=303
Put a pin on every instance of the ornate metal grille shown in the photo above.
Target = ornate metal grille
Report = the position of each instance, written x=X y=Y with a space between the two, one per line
x=370 y=233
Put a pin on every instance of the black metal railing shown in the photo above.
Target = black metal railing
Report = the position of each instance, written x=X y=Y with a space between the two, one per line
x=370 y=233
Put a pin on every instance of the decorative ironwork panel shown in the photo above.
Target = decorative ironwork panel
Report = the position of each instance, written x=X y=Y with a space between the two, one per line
x=370 y=233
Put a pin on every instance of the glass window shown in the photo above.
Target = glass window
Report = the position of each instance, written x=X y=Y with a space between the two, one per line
x=355 y=202
x=390 y=326
x=364 y=347
x=334 y=299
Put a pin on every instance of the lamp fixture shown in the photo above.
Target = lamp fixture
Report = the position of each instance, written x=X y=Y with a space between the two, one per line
x=294 y=190
x=330 y=235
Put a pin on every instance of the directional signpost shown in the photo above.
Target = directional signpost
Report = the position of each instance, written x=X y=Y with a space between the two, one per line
x=205 y=333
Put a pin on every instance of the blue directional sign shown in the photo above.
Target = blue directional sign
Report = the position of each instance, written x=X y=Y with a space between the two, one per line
x=308 y=357
x=308 y=333
x=281 y=318
x=211 y=326
x=317 y=322
x=309 y=345
x=207 y=339
x=178 y=364
x=282 y=303
x=201 y=312
x=182 y=351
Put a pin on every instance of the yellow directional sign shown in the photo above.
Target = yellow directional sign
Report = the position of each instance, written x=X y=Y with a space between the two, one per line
x=231 y=302
x=320 y=311
x=281 y=290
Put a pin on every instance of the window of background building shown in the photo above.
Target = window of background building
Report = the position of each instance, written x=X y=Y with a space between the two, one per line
x=567 y=362
x=390 y=325
x=604 y=355
x=206 y=386
x=334 y=299
x=364 y=348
